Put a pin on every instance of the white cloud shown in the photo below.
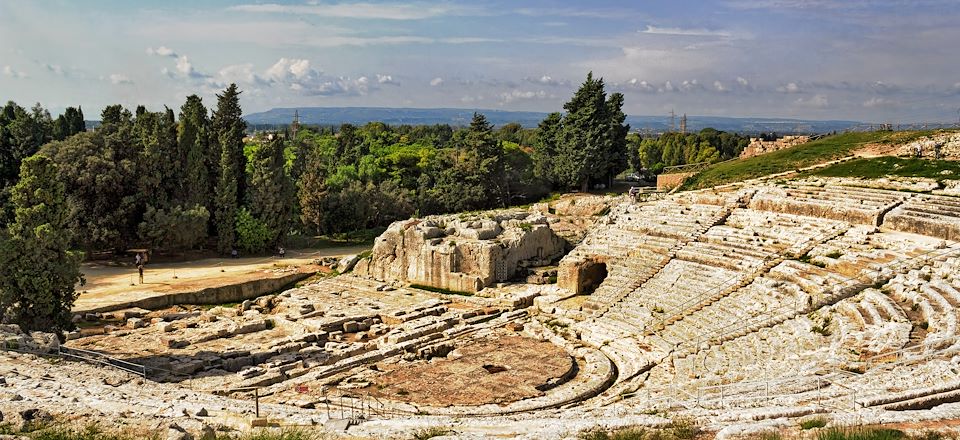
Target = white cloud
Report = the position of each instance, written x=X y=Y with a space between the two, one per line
x=387 y=79
x=789 y=88
x=877 y=102
x=291 y=69
x=641 y=85
x=815 y=101
x=743 y=81
x=676 y=31
x=13 y=73
x=162 y=51
x=238 y=73
x=515 y=95
x=691 y=85
x=547 y=80
x=369 y=11
x=467 y=99
x=436 y=81
x=718 y=86
x=118 y=79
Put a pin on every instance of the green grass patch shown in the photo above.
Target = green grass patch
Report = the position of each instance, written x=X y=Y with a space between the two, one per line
x=440 y=290
x=893 y=166
x=817 y=422
x=790 y=159
x=860 y=433
x=682 y=428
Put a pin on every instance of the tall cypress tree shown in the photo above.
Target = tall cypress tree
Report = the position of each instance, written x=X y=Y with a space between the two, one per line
x=271 y=190
x=193 y=135
x=228 y=127
x=591 y=145
x=37 y=271
x=545 y=149
x=484 y=159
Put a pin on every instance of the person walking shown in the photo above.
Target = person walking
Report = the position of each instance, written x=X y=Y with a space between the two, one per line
x=140 y=262
x=282 y=251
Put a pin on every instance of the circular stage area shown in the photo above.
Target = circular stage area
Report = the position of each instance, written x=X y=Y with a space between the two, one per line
x=498 y=370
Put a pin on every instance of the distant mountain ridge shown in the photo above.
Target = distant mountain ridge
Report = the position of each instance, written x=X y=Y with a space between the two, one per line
x=461 y=117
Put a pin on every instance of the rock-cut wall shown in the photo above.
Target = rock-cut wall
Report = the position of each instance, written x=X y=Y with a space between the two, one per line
x=463 y=253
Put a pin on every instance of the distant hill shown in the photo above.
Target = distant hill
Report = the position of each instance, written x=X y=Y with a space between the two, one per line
x=461 y=117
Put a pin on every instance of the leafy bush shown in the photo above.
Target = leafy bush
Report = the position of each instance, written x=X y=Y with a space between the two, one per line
x=177 y=229
x=684 y=428
x=818 y=422
x=252 y=234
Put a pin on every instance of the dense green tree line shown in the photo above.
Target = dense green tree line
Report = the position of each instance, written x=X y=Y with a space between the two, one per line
x=195 y=178
x=669 y=149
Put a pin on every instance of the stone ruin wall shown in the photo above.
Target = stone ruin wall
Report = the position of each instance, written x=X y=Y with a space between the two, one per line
x=758 y=146
x=463 y=255
x=949 y=146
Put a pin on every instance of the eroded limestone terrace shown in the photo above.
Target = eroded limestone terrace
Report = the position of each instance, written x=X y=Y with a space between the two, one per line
x=751 y=304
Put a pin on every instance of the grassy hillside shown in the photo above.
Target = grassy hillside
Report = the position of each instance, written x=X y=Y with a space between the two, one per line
x=892 y=166
x=811 y=153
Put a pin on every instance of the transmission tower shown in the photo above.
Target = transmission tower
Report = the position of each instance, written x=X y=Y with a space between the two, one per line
x=673 y=125
x=296 y=123
x=683 y=124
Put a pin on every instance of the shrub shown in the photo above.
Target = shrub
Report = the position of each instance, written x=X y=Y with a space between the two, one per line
x=426 y=433
x=631 y=433
x=818 y=422
x=178 y=228
x=684 y=428
x=252 y=234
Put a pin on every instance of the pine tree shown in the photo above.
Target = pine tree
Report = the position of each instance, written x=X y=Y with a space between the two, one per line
x=271 y=190
x=37 y=271
x=228 y=127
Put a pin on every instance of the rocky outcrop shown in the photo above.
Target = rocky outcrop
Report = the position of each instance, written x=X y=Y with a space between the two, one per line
x=947 y=144
x=12 y=338
x=465 y=252
x=759 y=146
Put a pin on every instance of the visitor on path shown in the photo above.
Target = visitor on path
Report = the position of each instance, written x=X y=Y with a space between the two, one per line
x=140 y=262
x=282 y=251
x=234 y=253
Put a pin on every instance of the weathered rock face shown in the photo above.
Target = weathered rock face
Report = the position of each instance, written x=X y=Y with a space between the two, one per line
x=11 y=337
x=948 y=145
x=463 y=253
x=758 y=146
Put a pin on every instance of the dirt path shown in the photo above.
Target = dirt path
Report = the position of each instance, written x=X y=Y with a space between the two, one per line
x=106 y=283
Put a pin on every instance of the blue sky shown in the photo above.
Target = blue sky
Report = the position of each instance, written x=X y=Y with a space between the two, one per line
x=883 y=60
